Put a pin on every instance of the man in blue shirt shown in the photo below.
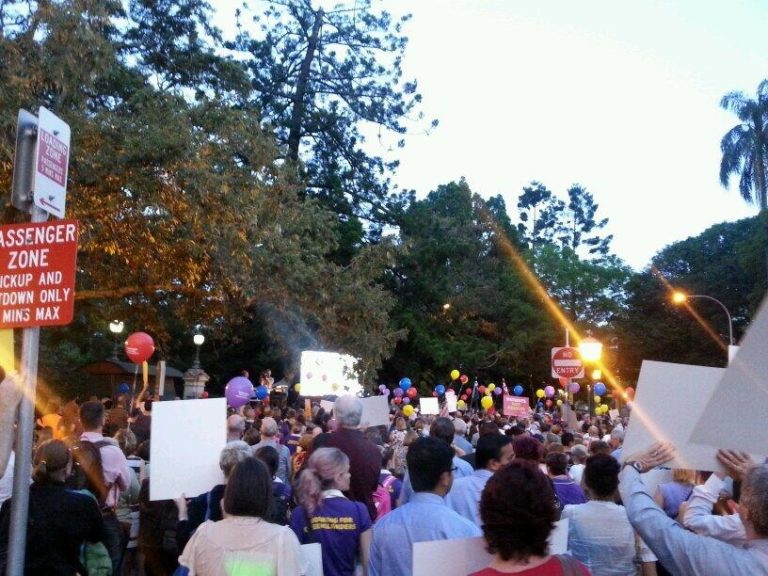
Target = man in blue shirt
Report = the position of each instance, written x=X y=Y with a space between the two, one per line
x=493 y=452
x=425 y=517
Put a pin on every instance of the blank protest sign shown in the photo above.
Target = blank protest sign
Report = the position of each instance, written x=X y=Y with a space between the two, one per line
x=187 y=439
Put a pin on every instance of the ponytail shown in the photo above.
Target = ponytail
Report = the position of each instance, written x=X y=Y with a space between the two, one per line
x=51 y=456
x=322 y=468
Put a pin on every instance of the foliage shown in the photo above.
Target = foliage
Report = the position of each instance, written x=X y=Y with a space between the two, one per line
x=745 y=146
x=185 y=216
x=324 y=80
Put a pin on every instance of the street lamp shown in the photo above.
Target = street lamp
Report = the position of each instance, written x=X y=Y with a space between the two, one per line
x=681 y=297
x=590 y=349
x=198 y=339
x=116 y=327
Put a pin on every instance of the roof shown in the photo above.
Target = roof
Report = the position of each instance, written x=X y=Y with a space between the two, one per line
x=113 y=367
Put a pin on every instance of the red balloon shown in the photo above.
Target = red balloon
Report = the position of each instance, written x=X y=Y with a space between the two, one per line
x=481 y=389
x=411 y=392
x=464 y=379
x=398 y=399
x=204 y=394
x=564 y=381
x=468 y=390
x=434 y=394
x=139 y=347
x=464 y=397
x=548 y=403
x=630 y=392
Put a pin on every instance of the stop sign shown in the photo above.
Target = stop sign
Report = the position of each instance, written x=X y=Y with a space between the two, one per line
x=566 y=362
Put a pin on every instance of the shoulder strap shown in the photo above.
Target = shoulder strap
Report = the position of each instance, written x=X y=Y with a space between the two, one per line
x=101 y=443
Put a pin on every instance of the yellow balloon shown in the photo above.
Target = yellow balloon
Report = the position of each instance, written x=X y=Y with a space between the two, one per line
x=408 y=411
x=597 y=399
x=461 y=404
x=540 y=393
x=491 y=387
x=455 y=374
x=297 y=387
x=559 y=402
x=486 y=402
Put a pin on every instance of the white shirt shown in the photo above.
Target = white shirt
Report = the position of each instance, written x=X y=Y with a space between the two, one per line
x=699 y=518
x=576 y=472
x=600 y=536
x=6 y=482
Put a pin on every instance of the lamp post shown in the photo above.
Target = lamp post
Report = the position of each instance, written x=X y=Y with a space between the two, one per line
x=116 y=327
x=681 y=297
x=590 y=349
x=198 y=339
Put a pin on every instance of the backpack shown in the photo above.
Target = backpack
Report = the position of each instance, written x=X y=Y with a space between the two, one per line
x=382 y=499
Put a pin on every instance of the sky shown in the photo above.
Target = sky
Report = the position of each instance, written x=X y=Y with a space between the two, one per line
x=621 y=97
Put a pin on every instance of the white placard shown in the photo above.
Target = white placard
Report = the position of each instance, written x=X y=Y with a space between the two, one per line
x=327 y=405
x=466 y=555
x=429 y=406
x=375 y=411
x=312 y=559
x=734 y=417
x=451 y=401
x=160 y=378
x=670 y=400
x=614 y=414
x=187 y=438
x=328 y=373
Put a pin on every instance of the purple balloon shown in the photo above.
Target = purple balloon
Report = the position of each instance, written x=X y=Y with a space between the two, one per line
x=398 y=392
x=238 y=391
x=575 y=387
x=406 y=400
x=497 y=391
x=549 y=391
x=383 y=388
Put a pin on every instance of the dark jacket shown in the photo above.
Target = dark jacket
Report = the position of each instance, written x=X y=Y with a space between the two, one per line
x=364 y=464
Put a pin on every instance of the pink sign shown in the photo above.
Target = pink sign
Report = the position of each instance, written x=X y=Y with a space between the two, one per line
x=516 y=406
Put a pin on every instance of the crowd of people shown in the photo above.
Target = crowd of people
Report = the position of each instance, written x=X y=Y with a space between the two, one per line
x=366 y=496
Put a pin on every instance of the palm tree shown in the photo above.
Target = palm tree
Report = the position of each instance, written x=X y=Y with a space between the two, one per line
x=745 y=146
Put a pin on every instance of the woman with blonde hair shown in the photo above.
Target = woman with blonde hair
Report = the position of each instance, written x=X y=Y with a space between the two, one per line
x=670 y=495
x=397 y=442
x=325 y=515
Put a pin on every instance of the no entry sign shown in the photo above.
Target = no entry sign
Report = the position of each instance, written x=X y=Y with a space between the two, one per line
x=566 y=362
x=37 y=273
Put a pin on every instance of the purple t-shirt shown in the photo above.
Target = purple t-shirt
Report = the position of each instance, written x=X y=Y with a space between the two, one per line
x=568 y=492
x=292 y=441
x=337 y=525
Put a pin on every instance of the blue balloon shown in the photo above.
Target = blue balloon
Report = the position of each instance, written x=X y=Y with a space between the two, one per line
x=600 y=389
x=262 y=392
x=124 y=388
x=517 y=390
x=405 y=383
x=440 y=389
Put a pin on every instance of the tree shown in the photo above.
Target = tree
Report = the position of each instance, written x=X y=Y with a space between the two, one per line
x=185 y=216
x=461 y=301
x=583 y=232
x=540 y=213
x=323 y=80
x=745 y=146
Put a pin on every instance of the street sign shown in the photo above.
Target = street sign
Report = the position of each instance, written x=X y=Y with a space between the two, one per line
x=51 y=163
x=566 y=362
x=37 y=273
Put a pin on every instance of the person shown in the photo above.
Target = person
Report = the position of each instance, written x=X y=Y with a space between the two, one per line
x=60 y=520
x=117 y=478
x=391 y=483
x=397 y=442
x=235 y=427
x=281 y=492
x=518 y=510
x=440 y=429
x=459 y=439
x=671 y=495
x=493 y=452
x=425 y=517
x=579 y=459
x=698 y=516
x=616 y=441
x=207 y=506
x=141 y=424
x=599 y=532
x=567 y=491
x=364 y=456
x=244 y=542
x=681 y=551
x=325 y=515
x=269 y=438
